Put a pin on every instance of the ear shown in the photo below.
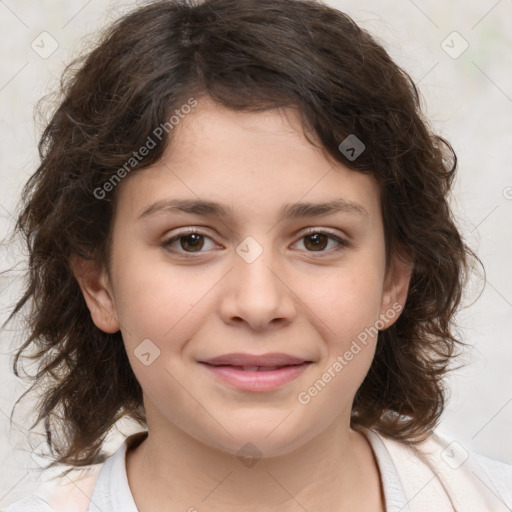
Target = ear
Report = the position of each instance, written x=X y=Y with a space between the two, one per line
x=395 y=290
x=97 y=293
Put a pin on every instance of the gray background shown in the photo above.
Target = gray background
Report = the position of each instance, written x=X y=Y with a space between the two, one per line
x=468 y=99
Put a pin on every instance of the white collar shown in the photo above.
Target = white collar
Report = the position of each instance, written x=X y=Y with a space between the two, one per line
x=112 y=491
x=414 y=478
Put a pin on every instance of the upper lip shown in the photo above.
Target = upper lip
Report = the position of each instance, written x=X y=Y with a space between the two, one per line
x=239 y=359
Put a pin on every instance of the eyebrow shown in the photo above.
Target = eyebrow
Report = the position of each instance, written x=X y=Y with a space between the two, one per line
x=289 y=211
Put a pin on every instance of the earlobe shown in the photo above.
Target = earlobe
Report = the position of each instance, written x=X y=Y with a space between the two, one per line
x=97 y=293
x=396 y=289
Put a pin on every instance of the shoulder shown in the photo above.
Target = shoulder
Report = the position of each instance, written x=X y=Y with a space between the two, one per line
x=101 y=487
x=30 y=503
x=500 y=473
x=68 y=493
x=442 y=466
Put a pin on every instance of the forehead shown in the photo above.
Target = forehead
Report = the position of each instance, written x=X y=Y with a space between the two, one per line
x=255 y=163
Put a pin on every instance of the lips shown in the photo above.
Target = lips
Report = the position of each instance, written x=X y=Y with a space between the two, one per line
x=255 y=362
x=256 y=373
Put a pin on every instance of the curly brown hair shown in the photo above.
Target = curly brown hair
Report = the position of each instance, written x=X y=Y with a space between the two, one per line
x=248 y=55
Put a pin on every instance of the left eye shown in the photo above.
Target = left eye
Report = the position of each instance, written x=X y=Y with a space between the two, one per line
x=194 y=241
x=318 y=241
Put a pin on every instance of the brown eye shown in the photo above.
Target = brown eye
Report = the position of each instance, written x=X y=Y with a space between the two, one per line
x=188 y=242
x=322 y=242
x=191 y=243
x=316 y=242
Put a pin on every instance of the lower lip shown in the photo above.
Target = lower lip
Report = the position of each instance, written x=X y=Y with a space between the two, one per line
x=254 y=380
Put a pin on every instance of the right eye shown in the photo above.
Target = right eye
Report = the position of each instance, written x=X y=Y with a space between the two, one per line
x=189 y=241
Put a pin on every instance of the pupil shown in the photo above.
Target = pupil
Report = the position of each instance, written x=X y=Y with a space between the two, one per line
x=319 y=241
x=197 y=242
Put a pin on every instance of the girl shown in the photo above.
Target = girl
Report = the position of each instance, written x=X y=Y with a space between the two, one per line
x=240 y=237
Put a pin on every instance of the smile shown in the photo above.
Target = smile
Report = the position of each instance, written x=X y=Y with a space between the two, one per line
x=256 y=378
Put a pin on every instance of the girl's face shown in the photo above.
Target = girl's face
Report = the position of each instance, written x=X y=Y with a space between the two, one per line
x=264 y=273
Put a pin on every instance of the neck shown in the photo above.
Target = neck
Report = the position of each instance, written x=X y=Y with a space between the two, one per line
x=334 y=470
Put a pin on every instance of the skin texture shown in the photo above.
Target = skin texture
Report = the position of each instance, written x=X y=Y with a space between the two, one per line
x=293 y=299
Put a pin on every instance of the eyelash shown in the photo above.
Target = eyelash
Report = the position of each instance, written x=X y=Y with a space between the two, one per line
x=343 y=244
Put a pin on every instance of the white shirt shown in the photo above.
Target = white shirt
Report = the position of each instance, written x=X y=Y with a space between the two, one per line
x=437 y=475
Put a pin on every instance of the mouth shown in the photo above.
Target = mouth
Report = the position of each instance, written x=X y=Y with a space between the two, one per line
x=256 y=377
x=243 y=360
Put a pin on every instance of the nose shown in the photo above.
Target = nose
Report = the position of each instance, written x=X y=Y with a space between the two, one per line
x=257 y=293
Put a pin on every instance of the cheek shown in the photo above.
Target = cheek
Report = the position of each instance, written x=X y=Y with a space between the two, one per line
x=346 y=316
x=346 y=305
x=343 y=300
x=155 y=300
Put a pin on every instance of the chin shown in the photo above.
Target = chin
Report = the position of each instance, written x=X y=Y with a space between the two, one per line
x=259 y=441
